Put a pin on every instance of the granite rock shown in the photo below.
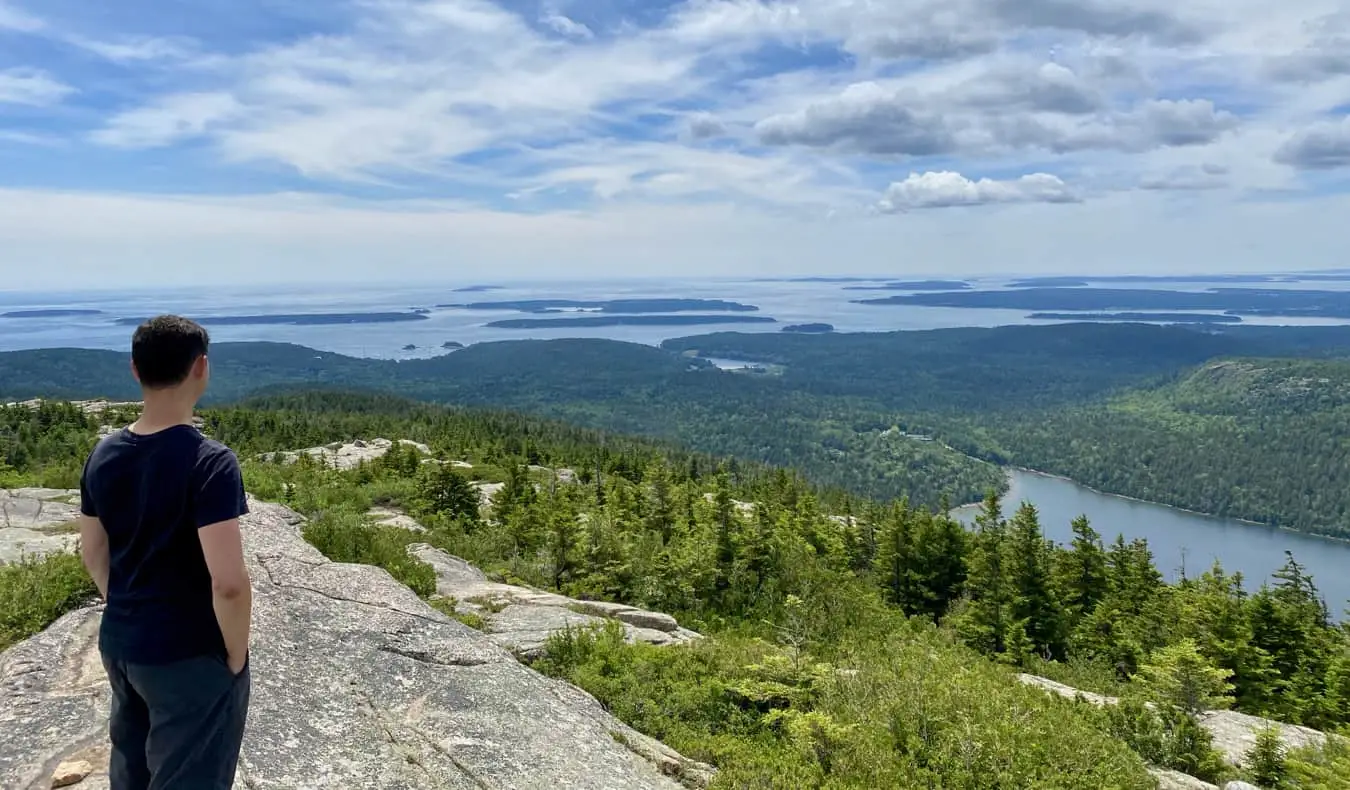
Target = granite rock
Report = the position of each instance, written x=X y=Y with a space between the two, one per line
x=37 y=521
x=357 y=683
x=522 y=619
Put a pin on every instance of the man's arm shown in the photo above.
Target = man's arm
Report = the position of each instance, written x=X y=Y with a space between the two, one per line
x=231 y=591
x=94 y=551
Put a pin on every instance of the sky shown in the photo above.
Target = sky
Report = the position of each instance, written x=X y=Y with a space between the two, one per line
x=184 y=142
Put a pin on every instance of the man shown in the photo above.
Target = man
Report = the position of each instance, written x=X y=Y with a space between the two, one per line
x=159 y=534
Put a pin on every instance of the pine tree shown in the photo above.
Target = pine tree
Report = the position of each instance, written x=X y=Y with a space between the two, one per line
x=563 y=530
x=1178 y=676
x=987 y=619
x=1081 y=571
x=1034 y=604
x=445 y=491
x=1265 y=761
x=894 y=565
x=940 y=546
x=726 y=525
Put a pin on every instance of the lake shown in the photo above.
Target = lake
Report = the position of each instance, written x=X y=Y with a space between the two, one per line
x=1181 y=539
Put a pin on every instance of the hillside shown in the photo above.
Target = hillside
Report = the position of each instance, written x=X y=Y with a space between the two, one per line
x=1096 y=403
x=1260 y=439
x=862 y=650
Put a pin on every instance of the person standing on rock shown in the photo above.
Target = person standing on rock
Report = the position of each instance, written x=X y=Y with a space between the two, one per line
x=159 y=534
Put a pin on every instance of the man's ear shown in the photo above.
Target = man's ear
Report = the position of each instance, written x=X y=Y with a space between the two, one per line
x=135 y=373
x=200 y=367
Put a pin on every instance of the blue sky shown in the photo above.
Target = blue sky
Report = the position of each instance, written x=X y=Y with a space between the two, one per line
x=204 y=141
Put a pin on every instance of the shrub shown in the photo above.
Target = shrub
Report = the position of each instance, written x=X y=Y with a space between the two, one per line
x=346 y=537
x=35 y=591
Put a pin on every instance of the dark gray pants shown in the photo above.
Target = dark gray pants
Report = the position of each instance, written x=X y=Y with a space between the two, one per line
x=177 y=725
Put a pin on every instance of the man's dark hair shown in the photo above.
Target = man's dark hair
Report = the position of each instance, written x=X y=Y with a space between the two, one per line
x=165 y=348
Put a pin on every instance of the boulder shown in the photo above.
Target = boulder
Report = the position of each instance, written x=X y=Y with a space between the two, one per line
x=1240 y=786
x=1175 y=780
x=391 y=517
x=522 y=619
x=339 y=455
x=356 y=683
x=37 y=521
x=1234 y=733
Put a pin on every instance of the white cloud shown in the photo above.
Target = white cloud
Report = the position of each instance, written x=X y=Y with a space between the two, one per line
x=785 y=111
x=135 y=49
x=1323 y=146
x=171 y=119
x=113 y=240
x=31 y=86
x=13 y=18
x=1190 y=177
x=865 y=118
x=947 y=189
x=567 y=26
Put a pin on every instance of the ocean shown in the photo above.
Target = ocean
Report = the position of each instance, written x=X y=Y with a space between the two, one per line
x=788 y=302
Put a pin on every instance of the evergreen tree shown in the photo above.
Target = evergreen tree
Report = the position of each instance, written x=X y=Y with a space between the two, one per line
x=1034 y=604
x=940 y=547
x=1265 y=761
x=987 y=619
x=443 y=490
x=1081 y=572
x=895 y=560
x=1178 y=676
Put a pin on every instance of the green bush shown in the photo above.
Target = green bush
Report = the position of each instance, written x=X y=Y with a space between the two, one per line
x=1320 y=768
x=912 y=710
x=346 y=537
x=35 y=591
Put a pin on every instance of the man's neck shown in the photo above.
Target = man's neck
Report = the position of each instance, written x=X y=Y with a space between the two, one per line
x=163 y=411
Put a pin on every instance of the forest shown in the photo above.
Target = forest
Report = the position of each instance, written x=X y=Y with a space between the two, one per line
x=1128 y=409
x=853 y=643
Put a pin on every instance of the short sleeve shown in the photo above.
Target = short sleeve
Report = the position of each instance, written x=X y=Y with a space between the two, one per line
x=87 y=505
x=220 y=492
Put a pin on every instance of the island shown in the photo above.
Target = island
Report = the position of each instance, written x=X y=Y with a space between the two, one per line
x=915 y=285
x=627 y=320
x=1049 y=282
x=452 y=345
x=809 y=329
x=477 y=289
x=1081 y=281
x=1233 y=301
x=1163 y=318
x=59 y=313
x=410 y=347
x=296 y=319
x=610 y=306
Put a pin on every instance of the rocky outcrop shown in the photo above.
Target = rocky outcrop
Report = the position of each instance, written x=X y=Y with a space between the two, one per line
x=1175 y=780
x=36 y=521
x=357 y=683
x=340 y=455
x=521 y=619
x=1234 y=733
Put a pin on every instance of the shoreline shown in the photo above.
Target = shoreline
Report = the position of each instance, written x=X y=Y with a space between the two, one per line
x=1010 y=469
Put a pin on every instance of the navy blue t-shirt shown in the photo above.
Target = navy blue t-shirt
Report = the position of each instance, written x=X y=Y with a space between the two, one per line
x=152 y=493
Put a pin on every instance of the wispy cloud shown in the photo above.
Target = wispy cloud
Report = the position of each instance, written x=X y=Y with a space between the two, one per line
x=790 y=112
x=31 y=86
x=13 y=18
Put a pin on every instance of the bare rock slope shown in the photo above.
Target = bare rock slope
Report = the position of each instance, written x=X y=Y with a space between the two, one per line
x=357 y=684
x=1234 y=733
x=522 y=619
x=36 y=521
